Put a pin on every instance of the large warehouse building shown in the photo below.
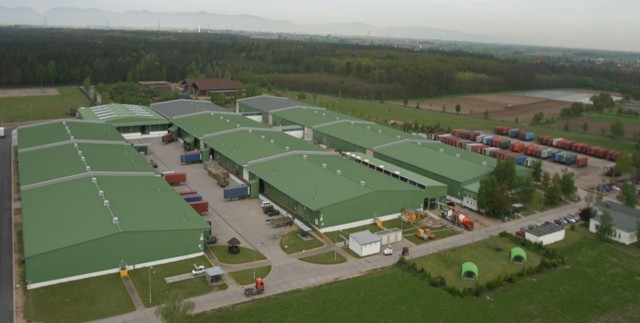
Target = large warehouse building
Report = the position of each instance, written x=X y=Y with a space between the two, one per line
x=295 y=174
x=132 y=121
x=92 y=205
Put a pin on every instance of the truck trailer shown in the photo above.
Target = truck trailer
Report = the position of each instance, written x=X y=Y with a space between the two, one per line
x=239 y=192
x=190 y=157
x=175 y=178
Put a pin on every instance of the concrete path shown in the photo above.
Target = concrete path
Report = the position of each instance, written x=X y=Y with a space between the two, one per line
x=179 y=278
x=244 y=220
x=133 y=293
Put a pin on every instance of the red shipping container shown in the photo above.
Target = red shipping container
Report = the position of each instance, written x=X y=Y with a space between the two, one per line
x=517 y=147
x=188 y=193
x=175 y=178
x=169 y=137
x=582 y=161
x=200 y=206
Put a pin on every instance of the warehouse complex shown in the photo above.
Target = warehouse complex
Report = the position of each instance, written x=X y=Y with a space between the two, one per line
x=133 y=121
x=97 y=206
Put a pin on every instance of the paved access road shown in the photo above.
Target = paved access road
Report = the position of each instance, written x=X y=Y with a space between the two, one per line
x=6 y=228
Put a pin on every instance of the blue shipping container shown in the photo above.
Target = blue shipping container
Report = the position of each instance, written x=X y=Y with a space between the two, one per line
x=514 y=132
x=193 y=157
x=236 y=192
x=193 y=198
x=520 y=160
x=530 y=136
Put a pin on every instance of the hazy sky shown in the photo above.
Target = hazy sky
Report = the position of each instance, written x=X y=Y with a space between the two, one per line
x=603 y=24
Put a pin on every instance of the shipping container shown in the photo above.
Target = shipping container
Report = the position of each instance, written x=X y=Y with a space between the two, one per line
x=517 y=147
x=190 y=157
x=169 y=137
x=555 y=142
x=200 y=206
x=487 y=151
x=521 y=160
x=528 y=136
x=188 y=193
x=480 y=138
x=570 y=159
x=546 y=153
x=175 y=178
x=513 y=133
x=488 y=140
x=504 y=144
x=457 y=132
x=612 y=155
x=238 y=192
x=144 y=148
x=501 y=130
x=582 y=161
x=543 y=140
x=192 y=198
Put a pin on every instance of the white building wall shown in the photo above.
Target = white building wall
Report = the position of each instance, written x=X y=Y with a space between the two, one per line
x=364 y=250
x=623 y=237
x=546 y=239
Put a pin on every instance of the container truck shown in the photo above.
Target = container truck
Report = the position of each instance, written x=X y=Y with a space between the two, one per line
x=190 y=157
x=238 y=192
x=218 y=173
x=175 y=178
x=200 y=206
x=192 y=198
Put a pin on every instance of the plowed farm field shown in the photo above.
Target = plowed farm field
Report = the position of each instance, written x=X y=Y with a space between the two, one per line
x=503 y=107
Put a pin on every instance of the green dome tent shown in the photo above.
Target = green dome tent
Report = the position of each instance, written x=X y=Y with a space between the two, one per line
x=518 y=255
x=469 y=271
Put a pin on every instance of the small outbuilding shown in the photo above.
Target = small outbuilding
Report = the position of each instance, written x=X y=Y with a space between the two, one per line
x=388 y=236
x=518 y=255
x=214 y=275
x=545 y=234
x=364 y=243
x=234 y=246
x=469 y=271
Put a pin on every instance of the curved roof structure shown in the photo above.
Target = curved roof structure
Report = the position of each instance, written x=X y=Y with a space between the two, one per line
x=469 y=269
x=517 y=254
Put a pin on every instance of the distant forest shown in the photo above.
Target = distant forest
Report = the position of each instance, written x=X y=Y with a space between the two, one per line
x=36 y=57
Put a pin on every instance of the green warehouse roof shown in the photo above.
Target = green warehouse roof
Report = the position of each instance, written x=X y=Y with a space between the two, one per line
x=398 y=172
x=365 y=135
x=268 y=102
x=200 y=124
x=56 y=131
x=50 y=163
x=69 y=230
x=82 y=216
x=423 y=155
x=122 y=115
x=310 y=116
x=318 y=181
x=245 y=145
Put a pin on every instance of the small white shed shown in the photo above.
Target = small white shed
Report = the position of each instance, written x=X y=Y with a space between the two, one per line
x=364 y=243
x=389 y=236
x=546 y=233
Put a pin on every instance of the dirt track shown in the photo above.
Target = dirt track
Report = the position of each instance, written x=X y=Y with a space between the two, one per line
x=41 y=91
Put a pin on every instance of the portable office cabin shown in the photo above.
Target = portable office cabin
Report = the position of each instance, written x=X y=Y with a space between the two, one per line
x=364 y=243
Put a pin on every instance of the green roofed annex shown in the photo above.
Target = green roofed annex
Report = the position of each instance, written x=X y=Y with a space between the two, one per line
x=130 y=120
x=95 y=205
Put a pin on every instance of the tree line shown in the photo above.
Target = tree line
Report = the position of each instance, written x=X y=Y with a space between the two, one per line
x=36 y=57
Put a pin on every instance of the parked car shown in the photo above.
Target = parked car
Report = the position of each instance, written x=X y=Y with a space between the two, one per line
x=197 y=270
x=558 y=222
x=520 y=234
x=153 y=163
x=273 y=212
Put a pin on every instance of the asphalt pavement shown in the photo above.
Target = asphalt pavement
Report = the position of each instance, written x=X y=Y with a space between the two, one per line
x=6 y=230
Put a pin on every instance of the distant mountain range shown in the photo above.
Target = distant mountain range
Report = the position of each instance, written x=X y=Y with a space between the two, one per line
x=92 y=18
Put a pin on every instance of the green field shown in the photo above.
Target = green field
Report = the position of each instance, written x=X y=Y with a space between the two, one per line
x=78 y=301
x=245 y=255
x=383 y=112
x=598 y=283
x=21 y=109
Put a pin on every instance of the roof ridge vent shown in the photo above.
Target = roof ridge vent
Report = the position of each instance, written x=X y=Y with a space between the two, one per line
x=324 y=165
x=338 y=172
x=363 y=183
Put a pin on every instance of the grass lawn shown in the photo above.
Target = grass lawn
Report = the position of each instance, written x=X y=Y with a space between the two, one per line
x=327 y=258
x=245 y=255
x=245 y=277
x=440 y=234
x=292 y=243
x=161 y=291
x=490 y=261
x=20 y=109
x=78 y=301
x=598 y=283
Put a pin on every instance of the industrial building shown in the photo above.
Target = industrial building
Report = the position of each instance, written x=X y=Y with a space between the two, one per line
x=180 y=107
x=262 y=105
x=132 y=121
x=91 y=205
x=625 y=221
x=545 y=234
x=295 y=174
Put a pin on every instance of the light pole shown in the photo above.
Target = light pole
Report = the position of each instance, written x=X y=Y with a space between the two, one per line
x=150 y=268
x=254 y=259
